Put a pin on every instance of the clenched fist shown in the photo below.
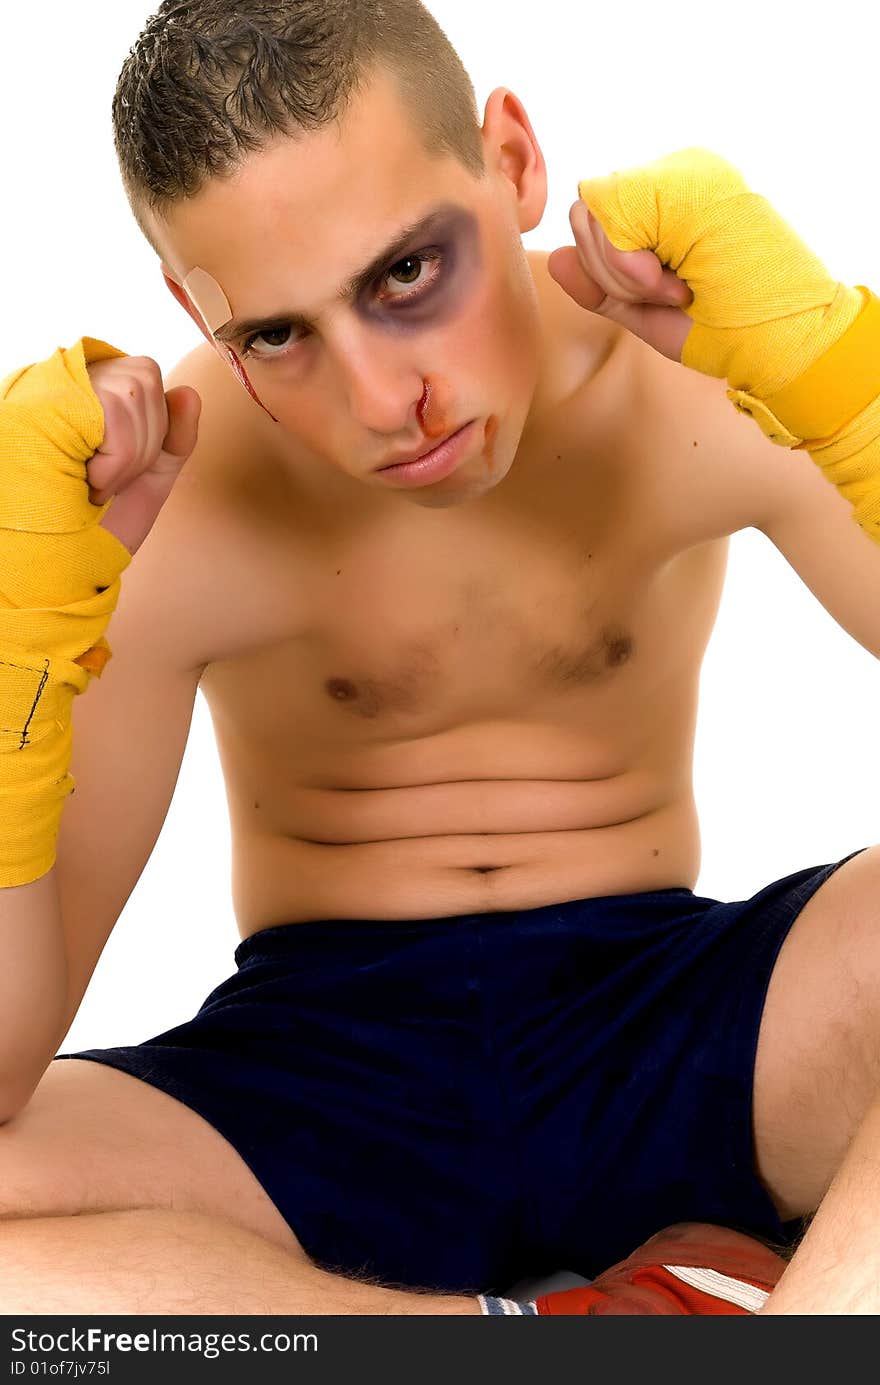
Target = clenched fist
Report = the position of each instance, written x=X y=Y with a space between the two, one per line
x=148 y=435
x=631 y=287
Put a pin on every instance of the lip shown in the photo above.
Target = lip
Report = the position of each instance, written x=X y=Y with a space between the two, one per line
x=432 y=466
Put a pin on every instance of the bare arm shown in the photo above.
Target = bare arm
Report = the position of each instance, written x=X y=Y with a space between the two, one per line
x=33 y=982
x=129 y=733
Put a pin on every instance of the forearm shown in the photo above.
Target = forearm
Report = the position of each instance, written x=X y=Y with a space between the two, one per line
x=60 y=575
x=33 y=988
x=832 y=411
x=850 y=460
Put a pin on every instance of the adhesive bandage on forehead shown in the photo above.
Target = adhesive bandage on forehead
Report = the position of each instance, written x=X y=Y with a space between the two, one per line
x=208 y=299
x=213 y=307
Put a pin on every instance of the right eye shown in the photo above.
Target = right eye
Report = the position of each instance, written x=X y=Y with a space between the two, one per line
x=278 y=337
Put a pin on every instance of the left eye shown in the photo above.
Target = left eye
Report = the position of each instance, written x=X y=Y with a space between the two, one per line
x=412 y=272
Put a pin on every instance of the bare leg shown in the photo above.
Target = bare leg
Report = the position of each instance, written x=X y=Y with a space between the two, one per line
x=836 y=1269
x=154 y=1261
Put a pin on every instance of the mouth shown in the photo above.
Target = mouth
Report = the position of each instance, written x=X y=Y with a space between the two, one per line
x=433 y=464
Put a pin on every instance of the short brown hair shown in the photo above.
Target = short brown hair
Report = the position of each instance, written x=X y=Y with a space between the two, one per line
x=210 y=81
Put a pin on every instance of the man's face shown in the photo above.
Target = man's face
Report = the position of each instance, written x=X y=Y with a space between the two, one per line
x=438 y=338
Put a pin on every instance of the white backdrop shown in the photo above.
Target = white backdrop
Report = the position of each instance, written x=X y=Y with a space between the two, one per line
x=777 y=87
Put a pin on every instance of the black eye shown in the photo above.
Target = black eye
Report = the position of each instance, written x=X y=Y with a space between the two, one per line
x=407 y=271
x=413 y=274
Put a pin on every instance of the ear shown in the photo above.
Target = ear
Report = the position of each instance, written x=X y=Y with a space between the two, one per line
x=180 y=293
x=513 y=152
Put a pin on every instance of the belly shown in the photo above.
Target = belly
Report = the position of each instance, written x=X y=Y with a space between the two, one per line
x=282 y=880
x=463 y=846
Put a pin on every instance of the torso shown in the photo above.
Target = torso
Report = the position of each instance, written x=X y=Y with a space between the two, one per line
x=429 y=713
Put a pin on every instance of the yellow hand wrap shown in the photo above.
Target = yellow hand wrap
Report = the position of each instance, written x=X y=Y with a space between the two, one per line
x=800 y=351
x=59 y=584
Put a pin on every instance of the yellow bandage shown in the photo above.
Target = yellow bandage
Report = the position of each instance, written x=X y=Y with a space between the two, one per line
x=59 y=585
x=800 y=350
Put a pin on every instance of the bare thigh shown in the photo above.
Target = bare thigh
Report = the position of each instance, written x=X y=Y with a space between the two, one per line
x=94 y=1139
x=818 y=1061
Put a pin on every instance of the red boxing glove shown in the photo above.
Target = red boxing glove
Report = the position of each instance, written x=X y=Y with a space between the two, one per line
x=690 y=1268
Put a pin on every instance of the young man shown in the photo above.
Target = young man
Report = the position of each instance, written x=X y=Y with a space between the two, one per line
x=445 y=569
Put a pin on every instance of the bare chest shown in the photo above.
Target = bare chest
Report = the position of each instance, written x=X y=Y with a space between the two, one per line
x=340 y=653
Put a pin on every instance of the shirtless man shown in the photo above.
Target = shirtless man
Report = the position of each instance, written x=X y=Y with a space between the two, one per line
x=480 y=1025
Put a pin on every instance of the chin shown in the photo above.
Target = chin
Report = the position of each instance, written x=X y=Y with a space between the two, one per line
x=437 y=502
x=465 y=492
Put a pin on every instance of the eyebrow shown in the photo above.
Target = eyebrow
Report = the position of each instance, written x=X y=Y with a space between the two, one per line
x=424 y=227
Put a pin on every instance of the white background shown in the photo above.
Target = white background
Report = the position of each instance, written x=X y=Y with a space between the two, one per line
x=786 y=762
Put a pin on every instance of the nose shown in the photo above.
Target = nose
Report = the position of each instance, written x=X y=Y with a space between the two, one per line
x=383 y=388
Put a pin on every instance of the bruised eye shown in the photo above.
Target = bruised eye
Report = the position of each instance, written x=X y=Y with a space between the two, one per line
x=411 y=275
x=407 y=280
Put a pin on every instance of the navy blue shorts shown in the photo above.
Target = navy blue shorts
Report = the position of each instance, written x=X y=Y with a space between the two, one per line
x=460 y=1103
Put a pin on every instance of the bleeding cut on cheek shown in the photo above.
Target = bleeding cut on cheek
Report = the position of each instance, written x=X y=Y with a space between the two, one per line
x=238 y=367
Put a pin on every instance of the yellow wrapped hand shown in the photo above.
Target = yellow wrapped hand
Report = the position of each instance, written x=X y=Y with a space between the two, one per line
x=59 y=583
x=800 y=350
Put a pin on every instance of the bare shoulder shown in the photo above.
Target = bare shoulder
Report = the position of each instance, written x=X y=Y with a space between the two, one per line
x=694 y=467
x=707 y=469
